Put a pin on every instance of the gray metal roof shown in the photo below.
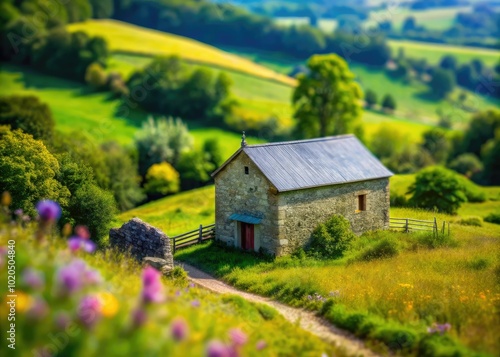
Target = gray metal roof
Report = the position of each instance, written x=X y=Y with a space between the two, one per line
x=326 y=161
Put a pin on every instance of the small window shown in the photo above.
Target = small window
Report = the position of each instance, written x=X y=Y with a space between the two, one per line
x=246 y=170
x=361 y=203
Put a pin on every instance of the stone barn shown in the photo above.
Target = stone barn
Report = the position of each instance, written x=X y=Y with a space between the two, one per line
x=272 y=196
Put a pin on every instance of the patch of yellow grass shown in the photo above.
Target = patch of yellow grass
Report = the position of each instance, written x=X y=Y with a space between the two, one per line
x=123 y=37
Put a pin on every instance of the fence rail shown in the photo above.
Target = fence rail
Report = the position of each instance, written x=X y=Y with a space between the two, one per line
x=203 y=233
x=408 y=225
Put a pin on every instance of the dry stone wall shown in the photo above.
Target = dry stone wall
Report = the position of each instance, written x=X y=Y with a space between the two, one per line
x=142 y=240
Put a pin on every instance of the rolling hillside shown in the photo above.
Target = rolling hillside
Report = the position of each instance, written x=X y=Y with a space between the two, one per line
x=126 y=38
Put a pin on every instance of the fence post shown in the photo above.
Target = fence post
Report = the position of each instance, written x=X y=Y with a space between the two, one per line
x=448 y=228
x=174 y=244
x=444 y=226
x=407 y=228
x=200 y=236
x=435 y=227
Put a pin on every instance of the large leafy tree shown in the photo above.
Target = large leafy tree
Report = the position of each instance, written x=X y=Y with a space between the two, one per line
x=442 y=83
x=482 y=128
x=28 y=114
x=28 y=171
x=436 y=188
x=327 y=100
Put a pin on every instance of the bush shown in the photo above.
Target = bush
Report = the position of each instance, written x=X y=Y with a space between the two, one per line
x=467 y=165
x=398 y=200
x=471 y=221
x=385 y=248
x=437 y=188
x=28 y=171
x=162 y=179
x=389 y=102
x=473 y=192
x=28 y=114
x=493 y=218
x=332 y=238
x=95 y=76
x=371 y=98
x=397 y=339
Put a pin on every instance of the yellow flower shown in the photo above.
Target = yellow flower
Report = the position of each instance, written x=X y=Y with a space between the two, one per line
x=482 y=296
x=409 y=286
x=109 y=304
x=23 y=301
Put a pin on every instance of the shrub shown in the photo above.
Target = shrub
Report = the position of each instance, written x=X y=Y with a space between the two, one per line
x=95 y=76
x=471 y=221
x=466 y=164
x=28 y=114
x=493 y=218
x=179 y=276
x=431 y=240
x=437 y=188
x=162 y=179
x=385 y=248
x=473 y=192
x=332 y=238
x=397 y=338
x=371 y=98
x=389 y=102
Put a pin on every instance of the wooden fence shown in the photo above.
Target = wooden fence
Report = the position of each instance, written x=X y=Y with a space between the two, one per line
x=203 y=233
x=408 y=225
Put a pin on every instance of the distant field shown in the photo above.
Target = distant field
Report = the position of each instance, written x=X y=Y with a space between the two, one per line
x=128 y=38
x=434 y=52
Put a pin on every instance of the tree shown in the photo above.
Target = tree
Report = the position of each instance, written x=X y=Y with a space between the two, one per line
x=388 y=102
x=28 y=114
x=466 y=76
x=482 y=128
x=409 y=24
x=449 y=62
x=436 y=142
x=491 y=160
x=161 y=140
x=442 y=83
x=467 y=165
x=195 y=168
x=436 y=188
x=162 y=179
x=28 y=171
x=124 y=180
x=214 y=151
x=371 y=98
x=95 y=76
x=327 y=100
x=387 y=142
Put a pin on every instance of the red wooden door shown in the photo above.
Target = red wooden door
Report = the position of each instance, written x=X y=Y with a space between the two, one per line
x=247 y=236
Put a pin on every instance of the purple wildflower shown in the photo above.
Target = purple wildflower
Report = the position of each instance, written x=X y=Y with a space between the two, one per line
x=195 y=303
x=439 y=328
x=77 y=243
x=18 y=212
x=48 y=210
x=152 y=288
x=192 y=285
x=33 y=278
x=217 y=349
x=70 y=277
x=139 y=317
x=91 y=276
x=62 y=320
x=38 y=309
x=179 y=329
x=89 y=310
x=238 y=337
x=261 y=345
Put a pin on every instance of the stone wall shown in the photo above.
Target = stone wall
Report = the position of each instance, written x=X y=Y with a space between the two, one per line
x=301 y=211
x=253 y=194
x=142 y=240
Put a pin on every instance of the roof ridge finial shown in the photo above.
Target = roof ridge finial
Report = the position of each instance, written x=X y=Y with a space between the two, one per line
x=243 y=140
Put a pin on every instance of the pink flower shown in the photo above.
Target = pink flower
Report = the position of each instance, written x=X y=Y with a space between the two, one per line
x=76 y=275
x=48 y=210
x=62 y=320
x=89 y=310
x=238 y=337
x=82 y=232
x=152 y=288
x=77 y=243
x=33 y=278
x=195 y=303
x=261 y=345
x=217 y=349
x=179 y=329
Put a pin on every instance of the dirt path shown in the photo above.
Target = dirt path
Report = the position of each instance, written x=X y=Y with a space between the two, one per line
x=307 y=320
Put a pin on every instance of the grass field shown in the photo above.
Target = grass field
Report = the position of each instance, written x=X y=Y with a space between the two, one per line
x=433 y=52
x=128 y=38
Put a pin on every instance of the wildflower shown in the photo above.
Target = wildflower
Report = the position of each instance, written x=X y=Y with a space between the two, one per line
x=89 y=310
x=38 y=309
x=261 y=345
x=179 y=329
x=77 y=243
x=192 y=285
x=33 y=278
x=62 y=320
x=439 y=328
x=23 y=301
x=48 y=210
x=3 y=254
x=70 y=276
x=152 y=288
x=238 y=337
x=139 y=317
x=217 y=349
x=335 y=293
x=18 y=212
x=82 y=232
x=195 y=303
x=109 y=304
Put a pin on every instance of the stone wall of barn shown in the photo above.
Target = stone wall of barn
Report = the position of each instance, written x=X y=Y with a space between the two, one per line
x=301 y=211
x=252 y=194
